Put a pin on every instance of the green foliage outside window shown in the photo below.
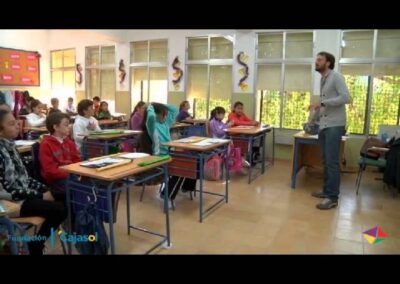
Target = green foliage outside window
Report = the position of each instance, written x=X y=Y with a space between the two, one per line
x=201 y=107
x=358 y=89
x=271 y=103
x=384 y=106
x=385 y=102
x=296 y=109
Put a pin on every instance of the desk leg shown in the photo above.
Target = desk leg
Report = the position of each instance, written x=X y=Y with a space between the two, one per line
x=106 y=147
x=110 y=217
x=128 y=210
x=226 y=173
x=201 y=164
x=250 y=157
x=263 y=153
x=166 y=209
x=69 y=220
x=295 y=163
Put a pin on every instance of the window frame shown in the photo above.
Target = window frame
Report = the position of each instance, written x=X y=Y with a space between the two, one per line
x=148 y=65
x=209 y=62
x=283 y=62
x=373 y=61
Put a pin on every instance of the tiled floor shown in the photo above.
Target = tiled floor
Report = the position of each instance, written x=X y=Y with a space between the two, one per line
x=268 y=217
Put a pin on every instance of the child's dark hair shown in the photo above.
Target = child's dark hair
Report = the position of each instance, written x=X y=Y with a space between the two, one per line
x=3 y=114
x=215 y=111
x=53 y=101
x=35 y=103
x=96 y=98
x=145 y=142
x=138 y=105
x=103 y=103
x=182 y=105
x=84 y=105
x=236 y=104
x=55 y=119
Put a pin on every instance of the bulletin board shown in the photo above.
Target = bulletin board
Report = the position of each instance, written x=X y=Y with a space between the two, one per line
x=19 y=67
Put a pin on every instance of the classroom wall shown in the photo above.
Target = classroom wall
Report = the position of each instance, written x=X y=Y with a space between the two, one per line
x=46 y=40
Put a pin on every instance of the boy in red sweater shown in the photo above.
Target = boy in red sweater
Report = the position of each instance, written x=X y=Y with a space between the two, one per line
x=56 y=150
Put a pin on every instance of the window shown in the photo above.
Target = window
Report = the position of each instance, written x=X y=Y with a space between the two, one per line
x=149 y=72
x=373 y=78
x=100 y=74
x=284 y=78
x=209 y=74
x=62 y=75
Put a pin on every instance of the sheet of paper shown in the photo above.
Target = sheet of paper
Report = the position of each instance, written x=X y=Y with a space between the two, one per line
x=102 y=162
x=19 y=143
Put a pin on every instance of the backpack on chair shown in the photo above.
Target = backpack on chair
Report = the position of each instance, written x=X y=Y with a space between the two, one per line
x=371 y=154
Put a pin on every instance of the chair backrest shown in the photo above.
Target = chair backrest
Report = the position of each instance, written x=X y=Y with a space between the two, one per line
x=35 y=171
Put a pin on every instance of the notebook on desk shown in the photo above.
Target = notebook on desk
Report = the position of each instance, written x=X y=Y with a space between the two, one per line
x=107 y=132
x=101 y=163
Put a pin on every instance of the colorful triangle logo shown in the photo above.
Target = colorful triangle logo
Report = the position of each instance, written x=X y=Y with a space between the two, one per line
x=375 y=235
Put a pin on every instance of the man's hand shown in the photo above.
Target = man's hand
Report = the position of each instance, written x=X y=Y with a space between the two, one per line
x=315 y=106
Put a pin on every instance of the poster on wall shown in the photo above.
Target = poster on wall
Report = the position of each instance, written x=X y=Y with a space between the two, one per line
x=19 y=67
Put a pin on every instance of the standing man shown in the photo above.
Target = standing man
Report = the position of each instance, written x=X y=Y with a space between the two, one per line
x=332 y=113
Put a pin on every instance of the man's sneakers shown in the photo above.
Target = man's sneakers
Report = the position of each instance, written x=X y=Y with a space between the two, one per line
x=327 y=203
x=319 y=194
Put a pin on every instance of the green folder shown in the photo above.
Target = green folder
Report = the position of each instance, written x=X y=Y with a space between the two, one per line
x=154 y=161
x=107 y=132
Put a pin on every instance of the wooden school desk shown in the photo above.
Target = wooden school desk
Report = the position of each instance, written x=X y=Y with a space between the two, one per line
x=307 y=152
x=188 y=162
x=109 y=181
x=245 y=137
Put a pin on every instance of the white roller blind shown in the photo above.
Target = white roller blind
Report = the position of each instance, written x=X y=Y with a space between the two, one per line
x=297 y=78
x=388 y=44
x=299 y=45
x=269 y=77
x=357 y=44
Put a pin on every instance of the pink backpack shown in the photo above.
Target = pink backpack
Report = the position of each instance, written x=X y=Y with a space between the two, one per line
x=235 y=159
x=212 y=168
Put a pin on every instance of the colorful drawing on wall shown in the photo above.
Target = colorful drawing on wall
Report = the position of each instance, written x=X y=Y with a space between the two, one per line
x=19 y=67
x=79 y=70
x=242 y=59
x=178 y=73
x=122 y=73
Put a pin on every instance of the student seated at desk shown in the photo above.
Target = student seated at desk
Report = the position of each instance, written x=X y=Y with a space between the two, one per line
x=96 y=103
x=33 y=197
x=217 y=127
x=57 y=150
x=136 y=119
x=25 y=103
x=54 y=106
x=103 y=113
x=84 y=122
x=238 y=118
x=70 y=108
x=36 y=118
x=157 y=121
x=184 y=112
